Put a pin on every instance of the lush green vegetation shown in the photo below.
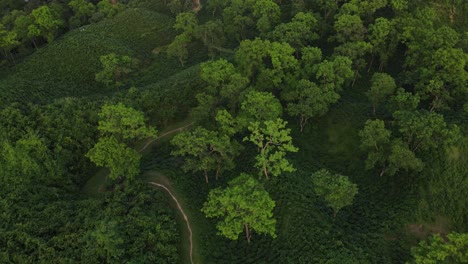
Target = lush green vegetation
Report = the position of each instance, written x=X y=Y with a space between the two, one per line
x=313 y=131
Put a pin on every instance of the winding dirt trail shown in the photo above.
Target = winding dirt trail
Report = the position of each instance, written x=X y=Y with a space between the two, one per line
x=182 y=213
x=163 y=135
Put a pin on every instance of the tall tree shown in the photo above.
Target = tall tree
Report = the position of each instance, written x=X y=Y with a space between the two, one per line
x=307 y=100
x=259 y=107
x=267 y=64
x=224 y=86
x=121 y=160
x=206 y=151
x=115 y=69
x=46 y=23
x=337 y=190
x=119 y=126
x=297 y=33
x=273 y=142
x=243 y=205
x=124 y=123
x=390 y=155
x=422 y=130
x=82 y=10
x=382 y=86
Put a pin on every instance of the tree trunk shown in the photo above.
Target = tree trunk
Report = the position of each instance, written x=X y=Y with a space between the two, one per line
x=382 y=172
x=265 y=170
x=34 y=43
x=371 y=62
x=206 y=176
x=247 y=232
x=114 y=2
x=302 y=123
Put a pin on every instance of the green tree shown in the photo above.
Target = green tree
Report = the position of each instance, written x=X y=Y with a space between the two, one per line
x=422 y=130
x=348 y=28
x=403 y=100
x=206 y=151
x=252 y=55
x=212 y=35
x=332 y=75
x=107 y=8
x=243 y=205
x=224 y=87
x=178 y=48
x=273 y=142
x=439 y=250
x=82 y=10
x=8 y=40
x=46 y=22
x=124 y=123
x=121 y=160
x=267 y=13
x=297 y=33
x=382 y=86
x=383 y=40
x=337 y=190
x=307 y=100
x=119 y=126
x=116 y=69
x=390 y=155
x=259 y=107
x=356 y=51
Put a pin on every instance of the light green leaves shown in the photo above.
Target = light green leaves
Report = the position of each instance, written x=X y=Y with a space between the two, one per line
x=273 y=142
x=124 y=123
x=336 y=190
x=120 y=159
x=438 y=250
x=243 y=205
x=119 y=125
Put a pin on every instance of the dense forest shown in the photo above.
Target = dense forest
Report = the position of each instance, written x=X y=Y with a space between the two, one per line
x=233 y=131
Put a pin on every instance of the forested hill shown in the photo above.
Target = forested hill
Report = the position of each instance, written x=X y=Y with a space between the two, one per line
x=277 y=131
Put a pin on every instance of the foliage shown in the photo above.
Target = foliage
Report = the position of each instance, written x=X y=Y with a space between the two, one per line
x=259 y=107
x=133 y=32
x=336 y=189
x=206 y=151
x=299 y=32
x=438 y=250
x=391 y=155
x=250 y=59
x=124 y=123
x=273 y=142
x=115 y=69
x=382 y=86
x=224 y=86
x=45 y=22
x=244 y=204
x=121 y=160
x=307 y=100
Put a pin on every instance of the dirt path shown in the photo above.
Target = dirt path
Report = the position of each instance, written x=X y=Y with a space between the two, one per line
x=166 y=188
x=163 y=135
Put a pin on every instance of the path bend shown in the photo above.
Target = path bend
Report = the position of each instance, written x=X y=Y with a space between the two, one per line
x=183 y=215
